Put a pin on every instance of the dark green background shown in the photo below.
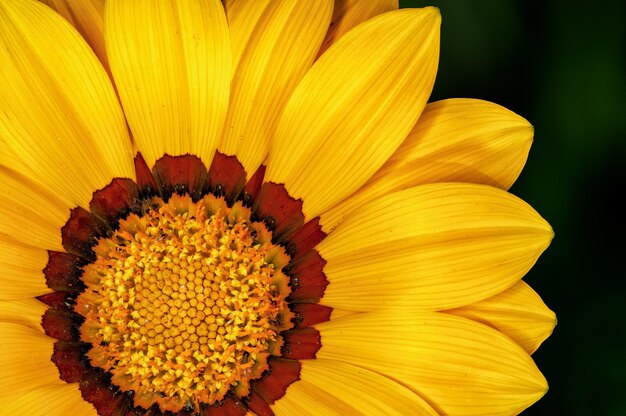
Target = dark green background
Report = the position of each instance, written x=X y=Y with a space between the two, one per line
x=562 y=65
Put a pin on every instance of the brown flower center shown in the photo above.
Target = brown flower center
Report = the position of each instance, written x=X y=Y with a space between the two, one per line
x=183 y=303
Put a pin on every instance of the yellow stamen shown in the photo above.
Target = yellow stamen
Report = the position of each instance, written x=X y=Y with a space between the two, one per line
x=183 y=303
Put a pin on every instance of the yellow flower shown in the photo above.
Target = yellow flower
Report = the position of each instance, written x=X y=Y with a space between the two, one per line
x=250 y=208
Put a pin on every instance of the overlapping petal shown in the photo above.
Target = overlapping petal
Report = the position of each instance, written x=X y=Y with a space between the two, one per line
x=9 y=159
x=87 y=16
x=55 y=400
x=281 y=49
x=243 y=16
x=354 y=107
x=338 y=388
x=458 y=366
x=350 y=13
x=25 y=361
x=171 y=61
x=30 y=213
x=26 y=312
x=435 y=246
x=517 y=312
x=456 y=140
x=22 y=270
x=58 y=111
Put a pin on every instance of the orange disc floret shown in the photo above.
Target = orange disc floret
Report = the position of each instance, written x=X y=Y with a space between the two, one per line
x=185 y=302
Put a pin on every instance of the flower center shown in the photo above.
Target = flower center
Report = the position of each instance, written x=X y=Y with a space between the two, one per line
x=183 y=303
x=184 y=307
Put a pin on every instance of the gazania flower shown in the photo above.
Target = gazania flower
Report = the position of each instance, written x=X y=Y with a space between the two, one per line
x=249 y=208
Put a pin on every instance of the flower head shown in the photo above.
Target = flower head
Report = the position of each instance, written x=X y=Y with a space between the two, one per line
x=250 y=207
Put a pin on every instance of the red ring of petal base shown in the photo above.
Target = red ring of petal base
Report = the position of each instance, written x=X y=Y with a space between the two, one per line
x=122 y=356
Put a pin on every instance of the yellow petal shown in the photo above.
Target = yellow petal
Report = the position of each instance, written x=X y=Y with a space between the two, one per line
x=26 y=312
x=58 y=111
x=518 y=312
x=280 y=51
x=10 y=160
x=25 y=360
x=61 y=400
x=29 y=213
x=22 y=270
x=243 y=16
x=456 y=140
x=354 y=107
x=458 y=366
x=350 y=13
x=436 y=246
x=171 y=64
x=87 y=16
x=337 y=388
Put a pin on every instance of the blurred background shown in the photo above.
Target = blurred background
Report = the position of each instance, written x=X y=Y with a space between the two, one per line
x=563 y=67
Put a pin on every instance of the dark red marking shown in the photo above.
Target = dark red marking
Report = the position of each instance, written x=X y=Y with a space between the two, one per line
x=308 y=281
x=280 y=212
x=137 y=411
x=154 y=410
x=258 y=405
x=301 y=344
x=115 y=201
x=309 y=314
x=305 y=238
x=273 y=385
x=226 y=177
x=62 y=324
x=180 y=174
x=63 y=271
x=107 y=399
x=145 y=181
x=253 y=187
x=81 y=232
x=71 y=361
x=59 y=300
x=230 y=406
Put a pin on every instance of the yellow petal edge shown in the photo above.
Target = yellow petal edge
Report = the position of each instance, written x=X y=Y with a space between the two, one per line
x=455 y=140
x=171 y=61
x=460 y=367
x=337 y=388
x=436 y=246
x=350 y=13
x=339 y=128
x=58 y=110
x=281 y=49
x=517 y=312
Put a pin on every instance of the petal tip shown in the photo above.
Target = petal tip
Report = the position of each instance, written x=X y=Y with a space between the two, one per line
x=434 y=14
x=427 y=15
x=535 y=388
x=552 y=320
x=527 y=131
x=544 y=238
x=549 y=233
x=544 y=231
